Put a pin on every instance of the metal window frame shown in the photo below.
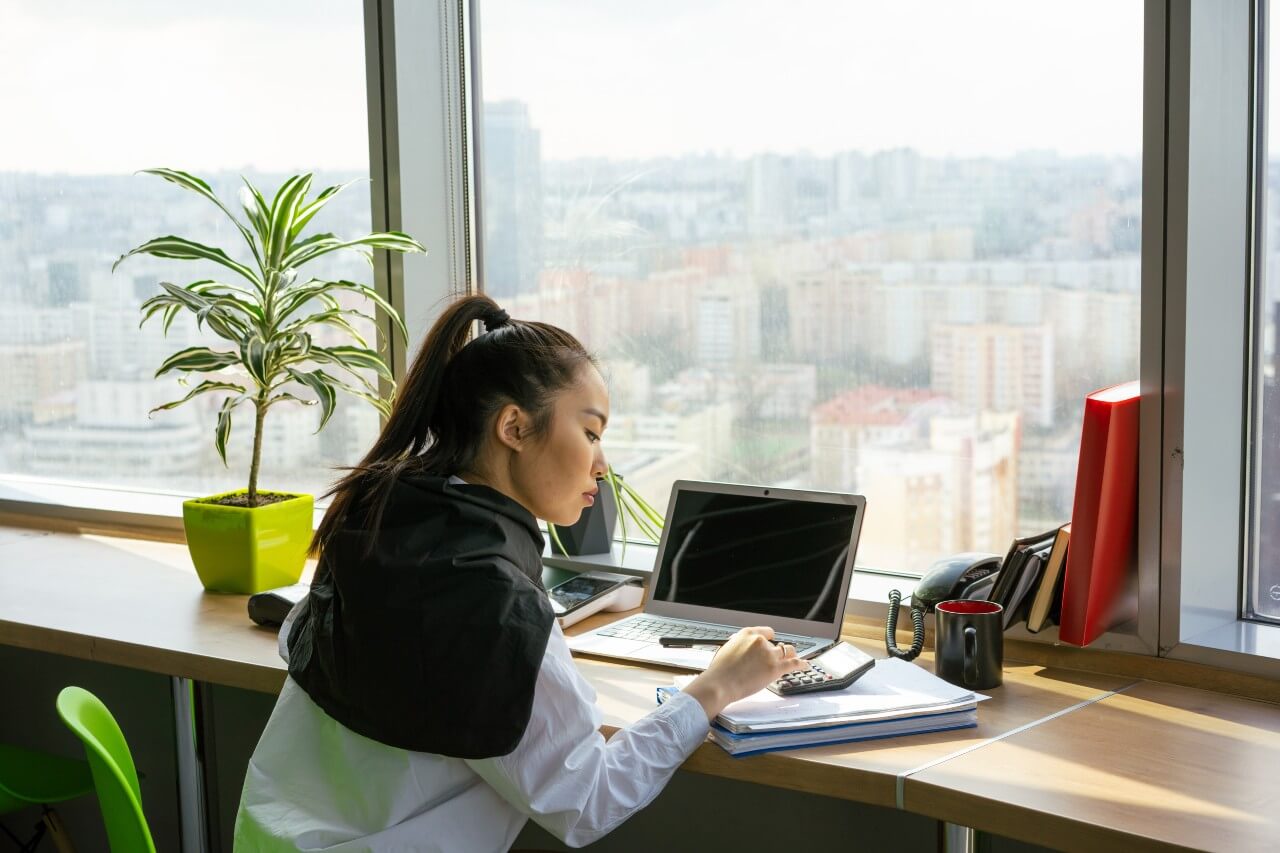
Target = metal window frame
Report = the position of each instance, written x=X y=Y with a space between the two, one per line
x=1258 y=317
x=1212 y=195
x=418 y=140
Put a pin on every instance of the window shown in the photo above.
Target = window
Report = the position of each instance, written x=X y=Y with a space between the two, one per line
x=836 y=249
x=1262 y=598
x=224 y=90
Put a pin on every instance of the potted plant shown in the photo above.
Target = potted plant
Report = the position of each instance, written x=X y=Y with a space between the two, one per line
x=249 y=540
x=592 y=533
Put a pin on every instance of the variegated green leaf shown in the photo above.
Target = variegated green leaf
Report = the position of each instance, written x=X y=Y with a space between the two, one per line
x=169 y=314
x=370 y=395
x=188 y=250
x=253 y=354
x=286 y=397
x=392 y=241
x=156 y=304
x=197 y=359
x=323 y=386
x=255 y=207
x=203 y=388
x=218 y=289
x=313 y=207
x=223 y=430
x=224 y=324
x=352 y=358
x=284 y=211
x=333 y=318
x=365 y=291
x=196 y=185
x=287 y=348
x=191 y=300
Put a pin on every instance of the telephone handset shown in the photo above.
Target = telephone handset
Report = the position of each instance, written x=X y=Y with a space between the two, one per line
x=968 y=575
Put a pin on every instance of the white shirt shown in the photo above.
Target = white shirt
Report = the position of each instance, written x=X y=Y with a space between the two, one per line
x=314 y=784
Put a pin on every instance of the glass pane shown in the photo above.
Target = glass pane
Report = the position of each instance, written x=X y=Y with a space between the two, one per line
x=1264 y=575
x=829 y=246
x=262 y=90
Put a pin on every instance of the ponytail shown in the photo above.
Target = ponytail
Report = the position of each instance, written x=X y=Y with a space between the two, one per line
x=452 y=390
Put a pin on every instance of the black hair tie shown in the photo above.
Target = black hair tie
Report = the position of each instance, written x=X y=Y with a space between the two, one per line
x=496 y=320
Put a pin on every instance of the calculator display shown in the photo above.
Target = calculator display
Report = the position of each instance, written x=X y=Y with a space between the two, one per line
x=841 y=660
x=579 y=590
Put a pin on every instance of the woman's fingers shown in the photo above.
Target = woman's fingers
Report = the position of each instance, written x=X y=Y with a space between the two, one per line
x=788 y=661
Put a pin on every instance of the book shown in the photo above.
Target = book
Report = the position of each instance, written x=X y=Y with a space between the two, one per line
x=1103 y=516
x=1050 y=588
x=1014 y=563
x=1032 y=568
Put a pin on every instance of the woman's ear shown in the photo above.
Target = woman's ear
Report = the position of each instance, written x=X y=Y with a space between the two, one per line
x=512 y=426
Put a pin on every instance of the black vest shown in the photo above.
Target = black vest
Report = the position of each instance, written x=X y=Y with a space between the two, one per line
x=433 y=641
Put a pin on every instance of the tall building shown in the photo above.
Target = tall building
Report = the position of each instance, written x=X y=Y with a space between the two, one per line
x=942 y=478
x=512 y=200
x=727 y=322
x=996 y=367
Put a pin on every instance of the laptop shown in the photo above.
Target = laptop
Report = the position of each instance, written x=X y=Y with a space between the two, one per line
x=733 y=556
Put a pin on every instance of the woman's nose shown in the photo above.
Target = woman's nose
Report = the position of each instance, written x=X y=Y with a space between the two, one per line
x=599 y=467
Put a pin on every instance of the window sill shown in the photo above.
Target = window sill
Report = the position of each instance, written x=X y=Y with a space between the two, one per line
x=149 y=514
x=1252 y=647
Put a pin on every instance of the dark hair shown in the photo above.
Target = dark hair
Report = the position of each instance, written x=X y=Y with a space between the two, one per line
x=453 y=389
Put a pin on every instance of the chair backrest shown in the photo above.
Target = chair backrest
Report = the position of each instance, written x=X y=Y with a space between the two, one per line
x=114 y=776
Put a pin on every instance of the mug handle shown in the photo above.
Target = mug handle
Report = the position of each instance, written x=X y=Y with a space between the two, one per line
x=971 y=654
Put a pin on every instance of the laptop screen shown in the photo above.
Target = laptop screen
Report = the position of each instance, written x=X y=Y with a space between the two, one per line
x=779 y=557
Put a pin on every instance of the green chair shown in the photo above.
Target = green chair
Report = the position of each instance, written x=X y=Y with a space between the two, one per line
x=114 y=775
x=31 y=778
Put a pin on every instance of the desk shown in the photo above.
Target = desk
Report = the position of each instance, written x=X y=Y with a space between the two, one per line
x=1154 y=766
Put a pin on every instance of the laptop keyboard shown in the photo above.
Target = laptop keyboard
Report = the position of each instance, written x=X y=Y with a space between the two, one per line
x=650 y=628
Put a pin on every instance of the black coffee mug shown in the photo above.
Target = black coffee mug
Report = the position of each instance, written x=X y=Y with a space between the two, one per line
x=969 y=643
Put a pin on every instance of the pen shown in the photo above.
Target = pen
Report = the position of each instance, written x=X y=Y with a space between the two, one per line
x=688 y=642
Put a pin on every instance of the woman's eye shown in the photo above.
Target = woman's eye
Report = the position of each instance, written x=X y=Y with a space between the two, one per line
x=592 y=436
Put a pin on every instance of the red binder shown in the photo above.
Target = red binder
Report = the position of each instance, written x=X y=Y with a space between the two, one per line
x=1103 y=517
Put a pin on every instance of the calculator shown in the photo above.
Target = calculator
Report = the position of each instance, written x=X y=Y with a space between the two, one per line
x=834 y=669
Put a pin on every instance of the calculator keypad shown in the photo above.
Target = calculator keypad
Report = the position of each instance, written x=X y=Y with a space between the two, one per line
x=802 y=678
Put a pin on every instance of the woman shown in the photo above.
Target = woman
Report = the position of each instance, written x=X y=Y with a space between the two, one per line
x=431 y=703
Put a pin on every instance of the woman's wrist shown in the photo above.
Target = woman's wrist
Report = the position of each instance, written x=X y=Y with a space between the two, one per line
x=710 y=693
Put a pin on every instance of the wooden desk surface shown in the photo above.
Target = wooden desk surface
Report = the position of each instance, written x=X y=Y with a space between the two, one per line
x=1155 y=765
x=867 y=771
x=132 y=603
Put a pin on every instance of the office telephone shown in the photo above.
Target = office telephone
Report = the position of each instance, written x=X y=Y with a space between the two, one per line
x=968 y=575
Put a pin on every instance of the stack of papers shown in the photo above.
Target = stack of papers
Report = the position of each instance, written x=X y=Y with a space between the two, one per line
x=894 y=698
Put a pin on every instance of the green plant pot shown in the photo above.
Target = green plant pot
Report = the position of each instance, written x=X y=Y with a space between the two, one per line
x=246 y=550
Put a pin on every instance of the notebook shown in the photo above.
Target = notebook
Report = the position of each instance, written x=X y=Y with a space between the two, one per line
x=895 y=698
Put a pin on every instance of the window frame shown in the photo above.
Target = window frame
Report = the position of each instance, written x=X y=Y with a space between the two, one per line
x=424 y=100
x=1214 y=227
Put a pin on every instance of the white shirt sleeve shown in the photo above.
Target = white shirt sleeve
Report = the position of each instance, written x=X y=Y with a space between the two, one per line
x=565 y=775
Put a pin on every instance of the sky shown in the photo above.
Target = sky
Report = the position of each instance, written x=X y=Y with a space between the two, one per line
x=278 y=85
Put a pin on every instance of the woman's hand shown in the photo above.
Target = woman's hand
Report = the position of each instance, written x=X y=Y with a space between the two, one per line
x=744 y=665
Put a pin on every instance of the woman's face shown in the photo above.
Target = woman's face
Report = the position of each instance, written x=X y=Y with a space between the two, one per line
x=555 y=474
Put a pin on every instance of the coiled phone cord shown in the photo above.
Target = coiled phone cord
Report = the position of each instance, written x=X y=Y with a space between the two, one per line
x=891 y=628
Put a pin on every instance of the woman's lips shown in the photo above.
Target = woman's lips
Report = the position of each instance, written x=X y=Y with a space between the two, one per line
x=590 y=498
